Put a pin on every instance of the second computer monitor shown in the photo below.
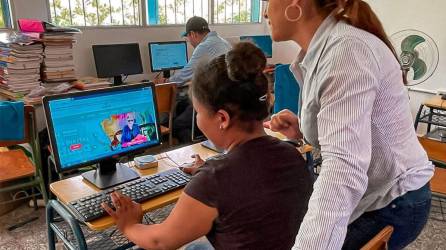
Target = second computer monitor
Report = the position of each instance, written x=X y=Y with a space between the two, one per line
x=115 y=60
x=264 y=42
x=166 y=56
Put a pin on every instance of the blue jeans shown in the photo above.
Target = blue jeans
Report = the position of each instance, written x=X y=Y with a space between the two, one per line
x=407 y=214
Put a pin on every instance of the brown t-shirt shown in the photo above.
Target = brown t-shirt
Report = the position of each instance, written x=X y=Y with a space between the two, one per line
x=261 y=191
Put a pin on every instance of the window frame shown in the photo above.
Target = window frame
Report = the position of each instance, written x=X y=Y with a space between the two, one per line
x=144 y=18
x=211 y=5
x=7 y=14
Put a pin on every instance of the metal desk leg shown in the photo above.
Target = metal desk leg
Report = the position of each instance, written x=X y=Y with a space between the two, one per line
x=53 y=230
x=430 y=119
x=417 y=118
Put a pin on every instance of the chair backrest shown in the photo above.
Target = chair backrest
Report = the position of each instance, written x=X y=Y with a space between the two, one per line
x=379 y=242
x=286 y=89
x=28 y=125
x=165 y=97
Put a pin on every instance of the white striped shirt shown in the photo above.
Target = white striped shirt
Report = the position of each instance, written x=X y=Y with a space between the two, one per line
x=355 y=110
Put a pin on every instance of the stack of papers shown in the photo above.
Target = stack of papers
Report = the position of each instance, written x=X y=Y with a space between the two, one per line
x=20 y=66
x=88 y=82
x=58 y=63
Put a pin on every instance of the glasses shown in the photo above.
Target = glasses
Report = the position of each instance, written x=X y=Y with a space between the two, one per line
x=130 y=120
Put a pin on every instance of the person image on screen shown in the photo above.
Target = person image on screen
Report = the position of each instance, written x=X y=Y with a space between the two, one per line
x=354 y=110
x=246 y=199
x=131 y=130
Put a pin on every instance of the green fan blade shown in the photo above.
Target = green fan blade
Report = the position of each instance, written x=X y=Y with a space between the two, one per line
x=419 y=68
x=409 y=43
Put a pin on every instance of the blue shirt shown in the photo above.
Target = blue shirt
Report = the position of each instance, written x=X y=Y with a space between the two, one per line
x=129 y=134
x=210 y=47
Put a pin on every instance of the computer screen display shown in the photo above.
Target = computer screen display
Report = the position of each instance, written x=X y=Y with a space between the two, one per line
x=117 y=59
x=88 y=127
x=167 y=55
x=265 y=43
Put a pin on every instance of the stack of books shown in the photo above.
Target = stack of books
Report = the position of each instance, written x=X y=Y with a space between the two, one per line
x=58 y=63
x=20 y=66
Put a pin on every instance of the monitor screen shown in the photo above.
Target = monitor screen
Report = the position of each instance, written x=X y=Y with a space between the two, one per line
x=265 y=43
x=91 y=126
x=167 y=55
x=117 y=59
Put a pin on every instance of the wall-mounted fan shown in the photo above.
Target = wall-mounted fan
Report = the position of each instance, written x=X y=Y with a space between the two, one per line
x=418 y=55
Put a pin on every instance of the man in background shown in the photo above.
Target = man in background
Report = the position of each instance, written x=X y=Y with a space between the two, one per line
x=207 y=45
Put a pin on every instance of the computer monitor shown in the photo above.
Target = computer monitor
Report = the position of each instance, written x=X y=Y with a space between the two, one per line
x=264 y=42
x=116 y=60
x=99 y=126
x=166 y=56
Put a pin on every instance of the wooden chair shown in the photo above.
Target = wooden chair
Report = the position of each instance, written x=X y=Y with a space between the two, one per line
x=379 y=242
x=17 y=172
x=165 y=98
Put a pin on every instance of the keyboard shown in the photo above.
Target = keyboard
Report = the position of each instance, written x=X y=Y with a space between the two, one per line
x=89 y=208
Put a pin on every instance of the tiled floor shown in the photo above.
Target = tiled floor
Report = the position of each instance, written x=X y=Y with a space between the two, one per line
x=33 y=235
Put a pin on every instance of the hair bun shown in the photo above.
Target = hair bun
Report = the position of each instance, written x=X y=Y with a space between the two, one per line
x=245 y=62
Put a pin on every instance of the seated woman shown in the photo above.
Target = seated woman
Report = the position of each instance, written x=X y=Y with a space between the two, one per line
x=253 y=197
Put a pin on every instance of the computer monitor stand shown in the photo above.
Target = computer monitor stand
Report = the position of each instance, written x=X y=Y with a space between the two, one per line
x=109 y=174
x=166 y=73
x=117 y=80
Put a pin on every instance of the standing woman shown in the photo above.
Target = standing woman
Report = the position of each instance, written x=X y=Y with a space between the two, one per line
x=355 y=110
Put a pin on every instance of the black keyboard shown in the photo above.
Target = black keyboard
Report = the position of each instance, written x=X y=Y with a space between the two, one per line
x=89 y=208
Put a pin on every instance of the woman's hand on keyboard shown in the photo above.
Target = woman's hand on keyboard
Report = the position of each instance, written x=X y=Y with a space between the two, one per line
x=126 y=213
x=198 y=162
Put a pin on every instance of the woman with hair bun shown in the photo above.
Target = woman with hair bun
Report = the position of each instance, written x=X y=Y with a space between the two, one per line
x=252 y=197
x=355 y=111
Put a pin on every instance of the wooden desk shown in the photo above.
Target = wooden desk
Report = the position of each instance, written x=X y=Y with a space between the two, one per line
x=8 y=95
x=436 y=102
x=438 y=181
x=436 y=151
x=76 y=187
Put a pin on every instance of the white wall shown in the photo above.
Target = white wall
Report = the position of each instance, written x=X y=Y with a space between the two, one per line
x=426 y=16
x=395 y=15
x=283 y=52
x=83 y=55
x=36 y=9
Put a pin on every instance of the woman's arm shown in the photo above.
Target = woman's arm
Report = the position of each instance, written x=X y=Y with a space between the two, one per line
x=347 y=94
x=189 y=220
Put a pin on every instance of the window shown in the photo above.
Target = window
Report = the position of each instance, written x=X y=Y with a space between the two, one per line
x=215 y=11
x=5 y=16
x=236 y=11
x=95 y=12
x=127 y=12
